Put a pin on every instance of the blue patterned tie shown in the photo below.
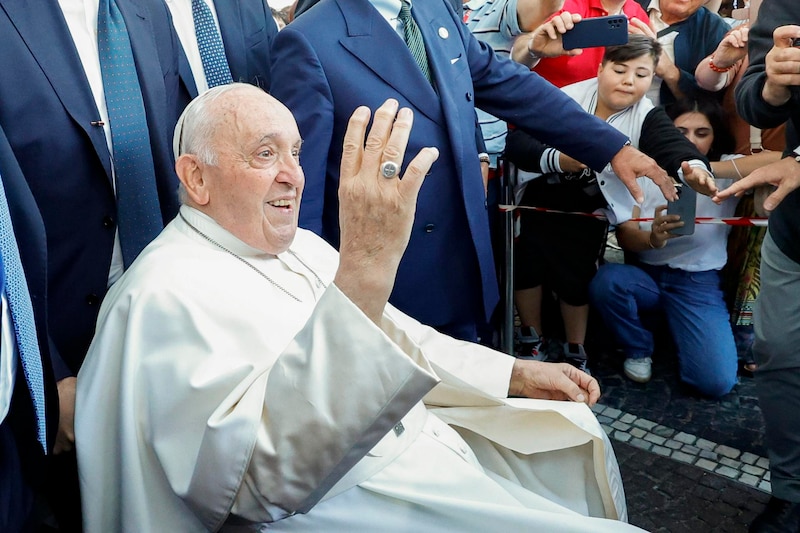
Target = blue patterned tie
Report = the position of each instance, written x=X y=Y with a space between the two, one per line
x=19 y=303
x=138 y=209
x=209 y=41
x=413 y=38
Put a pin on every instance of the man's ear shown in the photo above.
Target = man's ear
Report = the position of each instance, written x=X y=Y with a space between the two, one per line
x=190 y=172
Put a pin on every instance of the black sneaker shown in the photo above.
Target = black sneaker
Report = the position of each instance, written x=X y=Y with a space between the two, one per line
x=780 y=516
x=575 y=355
x=529 y=344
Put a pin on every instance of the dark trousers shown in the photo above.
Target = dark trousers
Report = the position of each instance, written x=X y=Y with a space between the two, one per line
x=777 y=351
x=16 y=496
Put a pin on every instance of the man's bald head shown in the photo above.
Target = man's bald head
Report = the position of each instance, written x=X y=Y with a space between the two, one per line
x=202 y=119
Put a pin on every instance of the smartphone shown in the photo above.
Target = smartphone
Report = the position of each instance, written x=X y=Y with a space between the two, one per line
x=685 y=207
x=598 y=31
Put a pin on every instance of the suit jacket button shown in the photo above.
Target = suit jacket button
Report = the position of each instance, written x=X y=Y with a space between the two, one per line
x=92 y=299
x=108 y=222
x=429 y=228
x=469 y=97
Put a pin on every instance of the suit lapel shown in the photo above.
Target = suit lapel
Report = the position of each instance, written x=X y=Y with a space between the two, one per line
x=42 y=26
x=365 y=28
x=450 y=66
x=185 y=72
x=233 y=34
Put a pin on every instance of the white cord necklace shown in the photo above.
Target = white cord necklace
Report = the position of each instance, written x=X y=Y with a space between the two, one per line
x=274 y=283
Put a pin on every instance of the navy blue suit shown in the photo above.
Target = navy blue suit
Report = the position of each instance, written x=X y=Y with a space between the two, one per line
x=21 y=456
x=247 y=29
x=47 y=110
x=342 y=54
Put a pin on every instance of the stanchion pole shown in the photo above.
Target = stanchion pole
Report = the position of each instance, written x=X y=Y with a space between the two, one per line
x=508 y=178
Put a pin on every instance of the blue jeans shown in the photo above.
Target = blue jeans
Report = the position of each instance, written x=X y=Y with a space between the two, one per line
x=696 y=314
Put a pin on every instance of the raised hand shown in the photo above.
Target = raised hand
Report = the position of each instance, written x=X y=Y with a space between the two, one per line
x=376 y=212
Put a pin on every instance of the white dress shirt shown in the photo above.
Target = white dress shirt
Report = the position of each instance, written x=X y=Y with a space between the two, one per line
x=8 y=358
x=390 y=11
x=183 y=21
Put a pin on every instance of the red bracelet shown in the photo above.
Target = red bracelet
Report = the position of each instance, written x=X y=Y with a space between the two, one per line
x=715 y=68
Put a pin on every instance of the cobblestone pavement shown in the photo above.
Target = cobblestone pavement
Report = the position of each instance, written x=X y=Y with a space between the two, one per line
x=689 y=464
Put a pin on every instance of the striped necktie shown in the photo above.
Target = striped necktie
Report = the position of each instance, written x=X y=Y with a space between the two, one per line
x=209 y=41
x=138 y=210
x=413 y=38
x=19 y=304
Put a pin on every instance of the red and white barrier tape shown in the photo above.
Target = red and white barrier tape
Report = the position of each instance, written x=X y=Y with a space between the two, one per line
x=730 y=221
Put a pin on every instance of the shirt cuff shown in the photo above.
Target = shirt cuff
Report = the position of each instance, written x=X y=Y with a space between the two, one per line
x=549 y=162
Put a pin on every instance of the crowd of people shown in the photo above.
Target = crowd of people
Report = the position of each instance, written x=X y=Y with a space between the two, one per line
x=186 y=346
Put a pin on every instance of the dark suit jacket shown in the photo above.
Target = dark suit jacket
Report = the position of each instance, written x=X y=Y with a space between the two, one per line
x=21 y=472
x=46 y=110
x=784 y=222
x=247 y=30
x=447 y=274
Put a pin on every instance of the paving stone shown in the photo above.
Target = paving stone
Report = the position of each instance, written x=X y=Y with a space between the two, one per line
x=661 y=450
x=728 y=472
x=737 y=465
x=640 y=443
x=617 y=424
x=754 y=470
x=727 y=451
x=644 y=424
x=767 y=476
x=749 y=458
x=766 y=486
x=621 y=436
x=682 y=457
x=685 y=438
x=674 y=444
x=639 y=433
x=612 y=413
x=655 y=439
x=706 y=464
x=705 y=454
x=598 y=408
x=607 y=429
x=763 y=462
x=705 y=444
x=663 y=431
x=627 y=418
x=749 y=479
x=694 y=450
x=605 y=420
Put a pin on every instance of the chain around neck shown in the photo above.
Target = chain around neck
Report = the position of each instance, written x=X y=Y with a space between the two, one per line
x=274 y=283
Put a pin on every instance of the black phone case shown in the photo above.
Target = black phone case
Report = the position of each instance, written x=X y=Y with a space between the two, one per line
x=686 y=207
x=598 y=31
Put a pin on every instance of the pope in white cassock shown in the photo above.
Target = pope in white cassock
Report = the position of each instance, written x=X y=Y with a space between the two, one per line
x=246 y=377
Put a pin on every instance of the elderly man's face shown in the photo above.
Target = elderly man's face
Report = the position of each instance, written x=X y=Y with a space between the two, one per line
x=674 y=11
x=256 y=185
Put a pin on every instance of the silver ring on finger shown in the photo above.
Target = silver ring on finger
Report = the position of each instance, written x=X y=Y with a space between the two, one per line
x=389 y=169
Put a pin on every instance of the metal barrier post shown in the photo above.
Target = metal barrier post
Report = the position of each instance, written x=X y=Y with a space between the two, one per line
x=508 y=178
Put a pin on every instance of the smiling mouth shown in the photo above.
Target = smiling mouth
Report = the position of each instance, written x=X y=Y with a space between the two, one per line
x=281 y=204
